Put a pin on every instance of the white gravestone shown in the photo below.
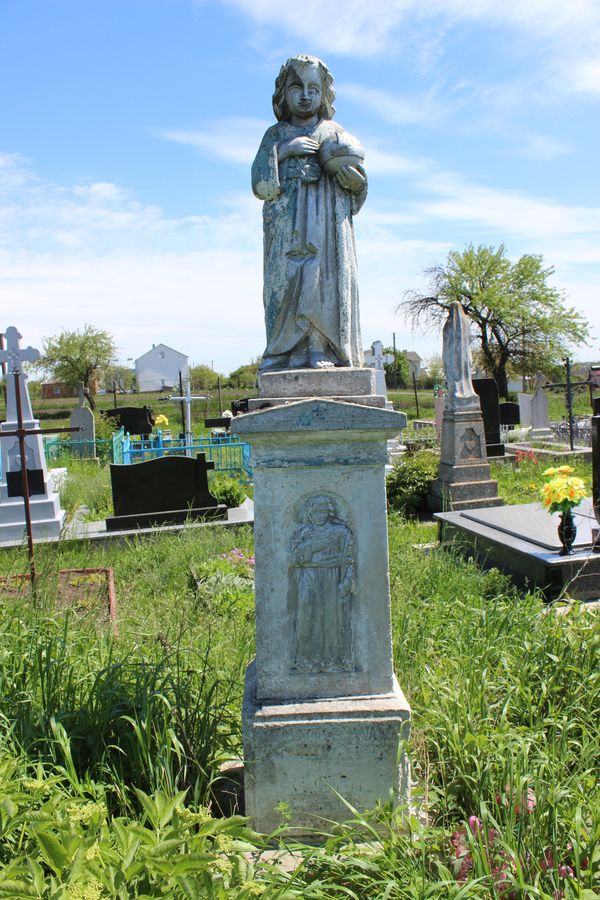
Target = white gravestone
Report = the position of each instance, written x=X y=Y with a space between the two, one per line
x=533 y=409
x=46 y=514
x=376 y=359
x=84 y=439
x=323 y=711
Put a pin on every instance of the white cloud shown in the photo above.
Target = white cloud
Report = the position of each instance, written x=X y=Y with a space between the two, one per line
x=564 y=36
x=393 y=107
x=234 y=139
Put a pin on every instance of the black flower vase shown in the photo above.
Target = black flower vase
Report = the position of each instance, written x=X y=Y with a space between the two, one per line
x=567 y=532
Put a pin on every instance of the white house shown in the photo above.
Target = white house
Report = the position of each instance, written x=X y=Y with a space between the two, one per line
x=159 y=368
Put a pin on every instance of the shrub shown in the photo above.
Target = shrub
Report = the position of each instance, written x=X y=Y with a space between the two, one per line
x=227 y=490
x=410 y=480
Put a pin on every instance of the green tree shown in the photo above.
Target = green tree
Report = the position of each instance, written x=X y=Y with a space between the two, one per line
x=203 y=378
x=519 y=320
x=244 y=376
x=397 y=373
x=122 y=376
x=78 y=356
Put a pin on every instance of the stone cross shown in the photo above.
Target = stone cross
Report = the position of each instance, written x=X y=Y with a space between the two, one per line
x=376 y=359
x=13 y=357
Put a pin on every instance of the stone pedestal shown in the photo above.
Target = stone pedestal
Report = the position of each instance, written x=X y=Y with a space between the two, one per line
x=322 y=711
x=351 y=385
x=463 y=480
x=47 y=517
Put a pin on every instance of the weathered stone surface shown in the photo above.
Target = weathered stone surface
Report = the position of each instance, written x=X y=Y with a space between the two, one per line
x=323 y=630
x=299 y=753
x=464 y=473
x=339 y=382
x=309 y=173
x=82 y=418
x=457 y=361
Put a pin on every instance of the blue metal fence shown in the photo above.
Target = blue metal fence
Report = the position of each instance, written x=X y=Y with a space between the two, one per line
x=229 y=454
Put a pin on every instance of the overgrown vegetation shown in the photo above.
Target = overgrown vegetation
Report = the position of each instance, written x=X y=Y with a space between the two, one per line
x=110 y=746
x=410 y=480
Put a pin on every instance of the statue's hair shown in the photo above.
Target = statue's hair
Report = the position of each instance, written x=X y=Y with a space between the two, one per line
x=280 y=107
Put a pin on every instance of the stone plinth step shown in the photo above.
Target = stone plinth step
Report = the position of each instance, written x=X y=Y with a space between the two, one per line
x=302 y=383
x=257 y=403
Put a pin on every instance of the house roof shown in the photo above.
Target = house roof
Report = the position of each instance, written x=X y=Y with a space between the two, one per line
x=160 y=347
x=412 y=356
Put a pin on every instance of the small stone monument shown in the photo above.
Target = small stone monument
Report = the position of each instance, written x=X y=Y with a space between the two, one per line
x=323 y=714
x=83 y=440
x=534 y=411
x=323 y=711
x=46 y=515
x=463 y=480
x=377 y=359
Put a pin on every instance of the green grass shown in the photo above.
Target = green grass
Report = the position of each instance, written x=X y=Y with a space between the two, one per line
x=521 y=483
x=109 y=745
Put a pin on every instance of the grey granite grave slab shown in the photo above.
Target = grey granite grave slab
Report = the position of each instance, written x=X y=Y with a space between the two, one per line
x=522 y=541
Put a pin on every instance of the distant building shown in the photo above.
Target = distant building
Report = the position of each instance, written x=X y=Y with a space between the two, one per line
x=51 y=390
x=414 y=363
x=159 y=368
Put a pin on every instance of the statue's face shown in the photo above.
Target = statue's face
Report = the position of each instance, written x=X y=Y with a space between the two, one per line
x=303 y=91
x=320 y=512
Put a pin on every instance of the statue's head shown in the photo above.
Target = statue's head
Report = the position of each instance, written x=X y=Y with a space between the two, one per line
x=296 y=67
x=320 y=509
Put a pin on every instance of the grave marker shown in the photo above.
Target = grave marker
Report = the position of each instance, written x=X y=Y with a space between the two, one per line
x=28 y=502
x=162 y=491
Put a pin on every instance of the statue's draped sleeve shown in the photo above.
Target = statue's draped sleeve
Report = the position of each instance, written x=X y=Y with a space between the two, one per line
x=265 y=168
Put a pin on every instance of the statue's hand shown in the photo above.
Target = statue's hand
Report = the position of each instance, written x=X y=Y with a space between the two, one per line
x=350 y=179
x=298 y=146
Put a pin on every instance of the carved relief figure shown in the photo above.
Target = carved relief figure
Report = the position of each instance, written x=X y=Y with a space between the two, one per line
x=309 y=172
x=322 y=560
x=471 y=445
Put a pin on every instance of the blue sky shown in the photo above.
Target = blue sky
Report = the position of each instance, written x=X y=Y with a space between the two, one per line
x=128 y=129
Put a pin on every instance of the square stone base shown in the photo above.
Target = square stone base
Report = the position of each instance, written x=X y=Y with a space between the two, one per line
x=302 y=383
x=299 y=754
x=47 y=518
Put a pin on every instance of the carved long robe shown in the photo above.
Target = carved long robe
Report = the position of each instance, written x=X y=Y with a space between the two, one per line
x=323 y=559
x=310 y=278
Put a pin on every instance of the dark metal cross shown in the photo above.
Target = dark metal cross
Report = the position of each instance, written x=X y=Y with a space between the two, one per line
x=569 y=385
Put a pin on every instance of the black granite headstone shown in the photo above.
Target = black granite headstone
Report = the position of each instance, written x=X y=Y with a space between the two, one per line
x=220 y=422
x=35 y=483
x=239 y=406
x=162 y=491
x=509 y=414
x=487 y=389
x=134 y=419
x=596 y=457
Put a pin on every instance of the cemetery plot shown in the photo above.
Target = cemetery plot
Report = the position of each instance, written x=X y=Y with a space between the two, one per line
x=162 y=491
x=89 y=591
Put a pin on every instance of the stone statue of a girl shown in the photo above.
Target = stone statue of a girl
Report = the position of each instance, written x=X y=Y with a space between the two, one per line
x=309 y=172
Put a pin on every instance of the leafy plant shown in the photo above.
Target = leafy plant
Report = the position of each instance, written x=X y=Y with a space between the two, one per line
x=410 y=480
